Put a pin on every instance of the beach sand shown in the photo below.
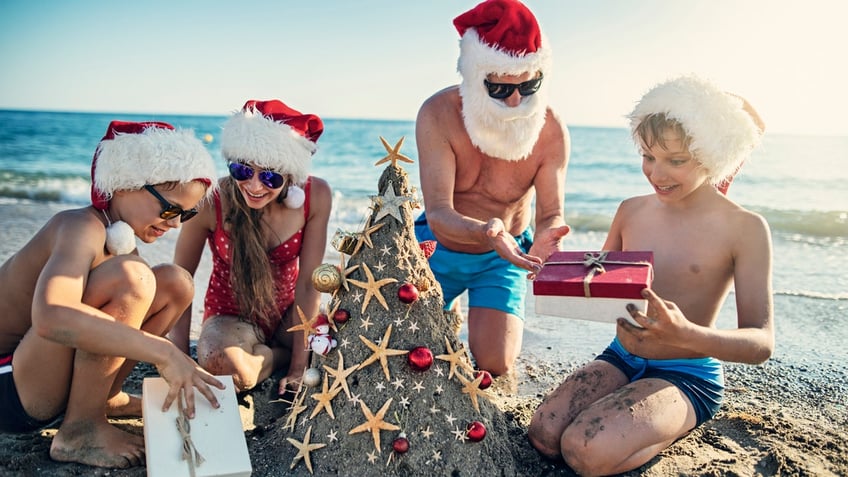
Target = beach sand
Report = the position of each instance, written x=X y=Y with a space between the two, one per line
x=778 y=418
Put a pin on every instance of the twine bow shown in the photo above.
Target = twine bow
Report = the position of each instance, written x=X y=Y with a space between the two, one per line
x=190 y=453
x=594 y=262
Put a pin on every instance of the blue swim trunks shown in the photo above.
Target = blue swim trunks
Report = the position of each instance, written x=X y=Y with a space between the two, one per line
x=491 y=281
x=13 y=417
x=700 y=379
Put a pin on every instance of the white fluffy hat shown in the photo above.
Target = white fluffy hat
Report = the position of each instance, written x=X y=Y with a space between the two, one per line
x=272 y=135
x=501 y=37
x=134 y=154
x=722 y=132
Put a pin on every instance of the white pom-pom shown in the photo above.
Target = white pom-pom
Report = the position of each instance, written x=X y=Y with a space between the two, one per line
x=120 y=238
x=295 y=197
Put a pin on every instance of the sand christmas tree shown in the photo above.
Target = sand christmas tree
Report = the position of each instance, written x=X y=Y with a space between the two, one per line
x=395 y=393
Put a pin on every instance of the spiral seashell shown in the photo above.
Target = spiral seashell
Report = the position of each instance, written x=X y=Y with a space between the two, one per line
x=326 y=278
x=423 y=284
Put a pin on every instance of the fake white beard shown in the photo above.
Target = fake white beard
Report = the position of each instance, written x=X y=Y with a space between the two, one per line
x=500 y=131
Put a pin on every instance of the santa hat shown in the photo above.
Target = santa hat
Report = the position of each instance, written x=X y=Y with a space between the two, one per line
x=500 y=37
x=272 y=135
x=132 y=155
x=722 y=134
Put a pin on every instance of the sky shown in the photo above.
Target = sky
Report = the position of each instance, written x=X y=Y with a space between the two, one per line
x=380 y=59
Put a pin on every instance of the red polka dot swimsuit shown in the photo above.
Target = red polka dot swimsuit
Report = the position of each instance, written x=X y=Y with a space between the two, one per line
x=284 y=264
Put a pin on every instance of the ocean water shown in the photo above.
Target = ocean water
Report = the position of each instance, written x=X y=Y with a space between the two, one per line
x=796 y=182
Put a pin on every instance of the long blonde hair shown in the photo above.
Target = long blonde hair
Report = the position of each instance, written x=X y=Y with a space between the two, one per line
x=251 y=277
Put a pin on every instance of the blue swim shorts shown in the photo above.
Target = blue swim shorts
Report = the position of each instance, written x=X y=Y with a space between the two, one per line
x=13 y=417
x=700 y=379
x=491 y=281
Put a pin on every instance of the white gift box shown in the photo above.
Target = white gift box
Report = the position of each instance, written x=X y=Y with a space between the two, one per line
x=217 y=434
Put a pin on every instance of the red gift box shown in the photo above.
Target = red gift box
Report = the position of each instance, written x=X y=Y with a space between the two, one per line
x=593 y=285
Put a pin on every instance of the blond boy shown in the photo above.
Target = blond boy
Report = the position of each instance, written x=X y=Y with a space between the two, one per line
x=658 y=381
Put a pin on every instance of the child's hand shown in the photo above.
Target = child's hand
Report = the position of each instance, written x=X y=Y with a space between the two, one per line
x=662 y=323
x=183 y=375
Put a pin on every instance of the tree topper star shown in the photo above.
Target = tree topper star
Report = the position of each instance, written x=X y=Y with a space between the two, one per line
x=372 y=288
x=394 y=154
x=374 y=423
x=303 y=449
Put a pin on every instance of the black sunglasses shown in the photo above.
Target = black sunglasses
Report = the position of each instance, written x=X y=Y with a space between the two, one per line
x=242 y=172
x=169 y=210
x=505 y=90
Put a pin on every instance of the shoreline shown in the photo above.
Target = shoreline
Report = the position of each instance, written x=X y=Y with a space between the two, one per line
x=785 y=417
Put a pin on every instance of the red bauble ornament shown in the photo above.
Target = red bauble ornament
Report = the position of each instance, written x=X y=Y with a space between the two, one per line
x=341 y=316
x=475 y=431
x=401 y=443
x=487 y=378
x=420 y=358
x=408 y=293
x=428 y=247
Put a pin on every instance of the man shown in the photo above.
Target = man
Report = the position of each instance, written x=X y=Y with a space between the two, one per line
x=486 y=148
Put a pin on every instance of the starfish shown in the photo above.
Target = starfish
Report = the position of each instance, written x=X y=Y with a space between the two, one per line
x=389 y=204
x=426 y=432
x=386 y=250
x=418 y=386
x=372 y=288
x=394 y=154
x=455 y=359
x=332 y=436
x=404 y=401
x=365 y=236
x=296 y=408
x=366 y=323
x=340 y=374
x=305 y=325
x=472 y=388
x=374 y=423
x=459 y=435
x=372 y=457
x=398 y=383
x=345 y=273
x=325 y=399
x=381 y=352
x=413 y=327
x=450 y=418
x=303 y=449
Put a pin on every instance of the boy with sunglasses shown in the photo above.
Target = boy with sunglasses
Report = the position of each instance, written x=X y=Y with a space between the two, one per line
x=487 y=148
x=268 y=223
x=79 y=307
x=657 y=381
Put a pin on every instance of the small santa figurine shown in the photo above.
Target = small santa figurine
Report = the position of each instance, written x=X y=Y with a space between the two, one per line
x=321 y=342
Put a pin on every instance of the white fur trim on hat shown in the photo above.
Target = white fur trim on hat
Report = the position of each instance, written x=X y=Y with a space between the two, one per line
x=722 y=133
x=251 y=137
x=477 y=59
x=154 y=156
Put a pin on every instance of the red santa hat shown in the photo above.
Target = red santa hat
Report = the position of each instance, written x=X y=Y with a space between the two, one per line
x=272 y=135
x=134 y=154
x=501 y=37
x=722 y=133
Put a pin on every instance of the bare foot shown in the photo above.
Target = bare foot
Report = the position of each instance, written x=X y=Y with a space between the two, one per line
x=124 y=405
x=97 y=443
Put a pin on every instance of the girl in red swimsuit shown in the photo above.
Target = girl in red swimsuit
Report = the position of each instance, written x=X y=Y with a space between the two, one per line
x=269 y=221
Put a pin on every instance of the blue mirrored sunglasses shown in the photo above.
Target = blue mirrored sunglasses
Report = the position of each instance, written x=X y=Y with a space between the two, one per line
x=242 y=172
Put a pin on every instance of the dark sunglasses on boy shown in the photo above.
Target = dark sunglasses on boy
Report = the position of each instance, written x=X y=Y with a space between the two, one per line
x=242 y=172
x=505 y=90
x=169 y=210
